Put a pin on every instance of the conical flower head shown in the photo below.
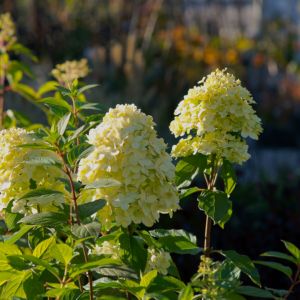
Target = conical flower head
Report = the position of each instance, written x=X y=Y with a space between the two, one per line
x=216 y=117
x=19 y=174
x=70 y=70
x=7 y=31
x=127 y=149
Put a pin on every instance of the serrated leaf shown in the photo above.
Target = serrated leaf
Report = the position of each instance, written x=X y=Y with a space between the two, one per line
x=56 y=101
x=186 y=294
x=47 y=219
x=280 y=255
x=117 y=272
x=276 y=266
x=293 y=249
x=100 y=263
x=19 y=234
x=86 y=230
x=46 y=87
x=63 y=123
x=188 y=168
x=244 y=263
x=42 y=196
x=87 y=209
x=187 y=192
x=229 y=177
x=158 y=233
x=103 y=183
x=86 y=87
x=178 y=244
x=76 y=133
x=62 y=253
x=132 y=252
x=43 y=246
x=216 y=205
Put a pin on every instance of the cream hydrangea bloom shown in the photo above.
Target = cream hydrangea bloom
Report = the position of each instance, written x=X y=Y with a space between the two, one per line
x=107 y=248
x=216 y=117
x=69 y=71
x=18 y=177
x=127 y=149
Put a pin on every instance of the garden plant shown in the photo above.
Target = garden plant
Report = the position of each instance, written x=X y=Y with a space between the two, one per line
x=79 y=196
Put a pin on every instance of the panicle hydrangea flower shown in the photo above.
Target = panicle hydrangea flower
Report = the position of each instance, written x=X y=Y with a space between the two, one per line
x=216 y=117
x=7 y=31
x=17 y=177
x=69 y=71
x=127 y=149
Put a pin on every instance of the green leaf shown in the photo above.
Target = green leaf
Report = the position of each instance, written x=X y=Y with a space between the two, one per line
x=145 y=282
x=25 y=91
x=47 y=219
x=254 y=292
x=186 y=294
x=216 y=205
x=90 y=106
x=132 y=252
x=62 y=253
x=46 y=87
x=280 y=255
x=75 y=152
x=103 y=183
x=117 y=272
x=17 y=65
x=244 y=263
x=86 y=87
x=33 y=159
x=188 y=168
x=42 y=196
x=86 y=230
x=57 y=102
x=76 y=133
x=229 y=177
x=158 y=233
x=178 y=244
x=293 y=249
x=43 y=246
x=82 y=268
x=20 y=49
x=190 y=191
x=277 y=266
x=87 y=209
x=19 y=234
x=40 y=262
x=14 y=287
x=63 y=123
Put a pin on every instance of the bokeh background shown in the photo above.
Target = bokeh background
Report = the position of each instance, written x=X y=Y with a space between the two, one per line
x=150 y=52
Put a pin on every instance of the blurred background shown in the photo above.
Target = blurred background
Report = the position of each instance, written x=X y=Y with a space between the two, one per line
x=149 y=52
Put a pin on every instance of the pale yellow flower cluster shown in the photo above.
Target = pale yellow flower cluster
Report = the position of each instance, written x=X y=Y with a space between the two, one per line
x=7 y=31
x=159 y=260
x=107 y=248
x=69 y=71
x=216 y=117
x=19 y=174
x=127 y=149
